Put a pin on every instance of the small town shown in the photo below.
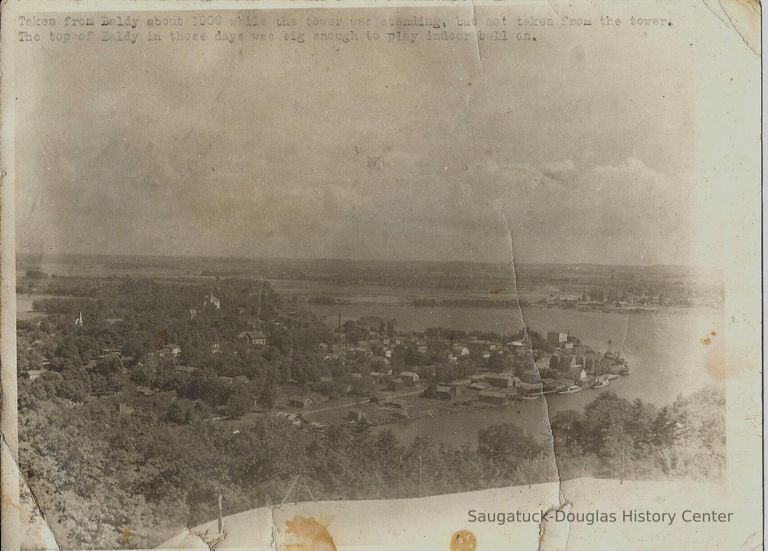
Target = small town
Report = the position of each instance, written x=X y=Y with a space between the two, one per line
x=362 y=371
x=632 y=301
x=458 y=370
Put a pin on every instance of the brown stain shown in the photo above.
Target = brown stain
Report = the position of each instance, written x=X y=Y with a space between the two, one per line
x=125 y=536
x=496 y=291
x=10 y=502
x=463 y=540
x=755 y=5
x=744 y=17
x=311 y=535
x=714 y=359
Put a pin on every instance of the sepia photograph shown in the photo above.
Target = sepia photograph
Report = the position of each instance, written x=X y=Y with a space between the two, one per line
x=304 y=277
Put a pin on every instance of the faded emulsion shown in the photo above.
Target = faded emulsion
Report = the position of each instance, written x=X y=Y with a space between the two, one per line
x=430 y=277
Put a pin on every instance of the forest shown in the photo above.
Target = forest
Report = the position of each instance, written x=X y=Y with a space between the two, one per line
x=98 y=473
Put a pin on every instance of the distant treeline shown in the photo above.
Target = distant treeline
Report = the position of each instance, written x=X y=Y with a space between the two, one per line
x=470 y=302
x=325 y=300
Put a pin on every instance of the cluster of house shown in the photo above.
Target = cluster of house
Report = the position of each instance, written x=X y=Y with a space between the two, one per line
x=375 y=345
x=562 y=340
x=150 y=360
x=106 y=353
x=298 y=420
x=455 y=350
x=647 y=299
x=394 y=382
x=500 y=388
x=577 y=366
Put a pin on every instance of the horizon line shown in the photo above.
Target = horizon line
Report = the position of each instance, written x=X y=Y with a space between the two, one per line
x=360 y=259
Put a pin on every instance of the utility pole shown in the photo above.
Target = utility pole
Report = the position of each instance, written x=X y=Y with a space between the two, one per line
x=261 y=298
x=421 y=487
x=621 y=469
x=221 y=518
x=529 y=468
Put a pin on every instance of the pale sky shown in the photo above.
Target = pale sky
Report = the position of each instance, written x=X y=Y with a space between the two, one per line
x=581 y=146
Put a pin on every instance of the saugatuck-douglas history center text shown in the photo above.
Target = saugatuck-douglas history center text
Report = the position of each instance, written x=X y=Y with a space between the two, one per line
x=597 y=516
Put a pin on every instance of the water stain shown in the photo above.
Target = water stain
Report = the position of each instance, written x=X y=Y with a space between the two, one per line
x=714 y=359
x=463 y=540
x=744 y=17
x=10 y=502
x=125 y=536
x=307 y=534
